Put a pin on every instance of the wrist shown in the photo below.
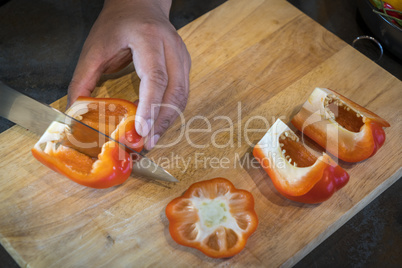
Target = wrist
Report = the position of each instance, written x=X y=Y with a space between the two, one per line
x=164 y=5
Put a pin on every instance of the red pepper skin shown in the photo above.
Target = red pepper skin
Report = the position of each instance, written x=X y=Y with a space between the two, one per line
x=110 y=170
x=347 y=145
x=103 y=165
x=391 y=13
x=333 y=179
x=378 y=136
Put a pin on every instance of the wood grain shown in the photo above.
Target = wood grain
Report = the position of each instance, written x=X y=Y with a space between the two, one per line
x=251 y=60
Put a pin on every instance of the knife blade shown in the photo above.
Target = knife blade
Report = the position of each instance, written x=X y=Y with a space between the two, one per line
x=36 y=117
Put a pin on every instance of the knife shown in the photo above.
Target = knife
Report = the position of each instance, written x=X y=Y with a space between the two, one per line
x=36 y=117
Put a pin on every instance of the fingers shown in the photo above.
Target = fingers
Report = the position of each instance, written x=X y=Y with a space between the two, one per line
x=149 y=62
x=176 y=94
x=160 y=58
x=86 y=75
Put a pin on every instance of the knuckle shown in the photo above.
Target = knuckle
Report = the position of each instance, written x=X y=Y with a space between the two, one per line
x=178 y=40
x=179 y=98
x=149 y=27
x=158 y=77
x=164 y=124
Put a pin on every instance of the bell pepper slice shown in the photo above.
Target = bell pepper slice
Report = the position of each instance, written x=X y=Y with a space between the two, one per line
x=344 y=128
x=295 y=172
x=213 y=217
x=92 y=160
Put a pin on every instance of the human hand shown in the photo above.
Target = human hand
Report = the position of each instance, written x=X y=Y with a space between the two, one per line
x=138 y=31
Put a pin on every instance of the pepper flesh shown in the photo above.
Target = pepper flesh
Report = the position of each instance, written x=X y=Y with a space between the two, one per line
x=344 y=128
x=84 y=156
x=111 y=116
x=213 y=217
x=308 y=179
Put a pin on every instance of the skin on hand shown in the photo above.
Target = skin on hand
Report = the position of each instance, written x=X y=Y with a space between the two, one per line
x=138 y=31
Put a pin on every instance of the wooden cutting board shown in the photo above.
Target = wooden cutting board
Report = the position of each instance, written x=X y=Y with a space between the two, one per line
x=252 y=59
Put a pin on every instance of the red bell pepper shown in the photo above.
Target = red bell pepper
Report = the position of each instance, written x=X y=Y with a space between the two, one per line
x=92 y=160
x=388 y=9
x=346 y=129
x=213 y=217
x=295 y=172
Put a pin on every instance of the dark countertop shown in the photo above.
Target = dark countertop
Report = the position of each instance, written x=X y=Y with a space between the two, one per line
x=40 y=42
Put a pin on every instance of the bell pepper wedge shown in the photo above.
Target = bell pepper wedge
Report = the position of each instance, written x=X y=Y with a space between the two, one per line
x=296 y=173
x=344 y=128
x=213 y=217
x=91 y=159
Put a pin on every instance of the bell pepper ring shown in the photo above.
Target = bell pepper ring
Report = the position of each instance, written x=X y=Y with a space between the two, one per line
x=213 y=217
x=344 y=128
x=85 y=156
x=295 y=172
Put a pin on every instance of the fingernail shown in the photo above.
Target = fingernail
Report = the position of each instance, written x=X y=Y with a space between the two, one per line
x=143 y=128
x=152 y=142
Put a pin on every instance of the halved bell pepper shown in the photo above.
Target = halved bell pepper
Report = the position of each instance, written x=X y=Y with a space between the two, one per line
x=84 y=156
x=295 y=172
x=213 y=217
x=344 y=128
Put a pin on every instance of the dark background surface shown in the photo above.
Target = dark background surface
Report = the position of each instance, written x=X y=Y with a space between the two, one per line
x=40 y=42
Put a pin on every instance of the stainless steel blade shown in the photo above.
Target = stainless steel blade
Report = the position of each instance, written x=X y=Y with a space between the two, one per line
x=36 y=117
x=26 y=111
